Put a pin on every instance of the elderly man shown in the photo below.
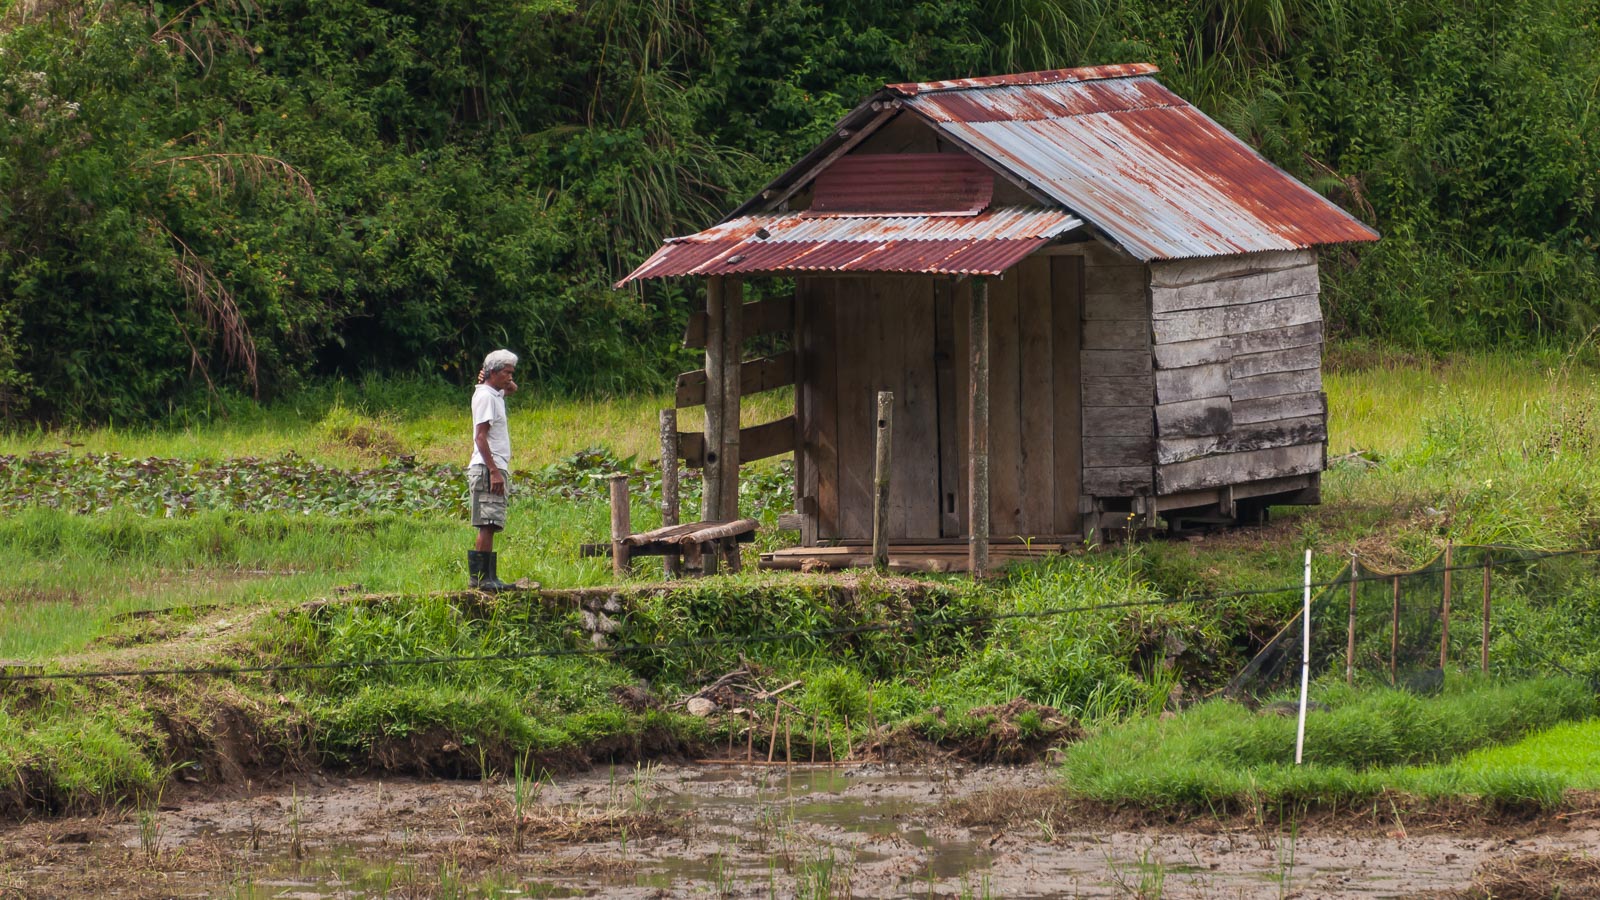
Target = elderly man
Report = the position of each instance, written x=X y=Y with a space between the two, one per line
x=489 y=470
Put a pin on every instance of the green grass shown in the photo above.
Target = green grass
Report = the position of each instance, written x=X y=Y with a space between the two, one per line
x=347 y=424
x=1570 y=752
x=1474 y=448
x=1220 y=756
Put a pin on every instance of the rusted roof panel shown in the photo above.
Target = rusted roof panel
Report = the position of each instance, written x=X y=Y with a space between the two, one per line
x=1150 y=171
x=1049 y=76
x=985 y=244
x=903 y=184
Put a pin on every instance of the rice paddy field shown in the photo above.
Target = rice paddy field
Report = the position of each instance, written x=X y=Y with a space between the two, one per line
x=1060 y=730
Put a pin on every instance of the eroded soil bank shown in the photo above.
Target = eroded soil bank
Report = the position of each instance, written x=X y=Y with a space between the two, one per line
x=734 y=831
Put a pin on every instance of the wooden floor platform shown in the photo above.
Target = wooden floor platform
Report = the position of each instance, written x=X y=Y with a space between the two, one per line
x=947 y=555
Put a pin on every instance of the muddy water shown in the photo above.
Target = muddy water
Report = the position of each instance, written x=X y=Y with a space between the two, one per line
x=695 y=831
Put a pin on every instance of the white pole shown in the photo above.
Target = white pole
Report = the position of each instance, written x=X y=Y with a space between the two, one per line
x=1305 y=666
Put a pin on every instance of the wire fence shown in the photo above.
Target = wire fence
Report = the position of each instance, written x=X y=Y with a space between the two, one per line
x=1410 y=629
x=1405 y=629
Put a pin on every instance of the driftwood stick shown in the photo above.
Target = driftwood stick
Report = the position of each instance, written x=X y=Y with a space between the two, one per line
x=772 y=738
x=718 y=531
x=880 y=481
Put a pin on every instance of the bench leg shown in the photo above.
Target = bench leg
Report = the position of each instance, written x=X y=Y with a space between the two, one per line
x=730 y=553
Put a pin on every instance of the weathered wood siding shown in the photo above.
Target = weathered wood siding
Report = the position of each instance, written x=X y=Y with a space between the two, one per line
x=860 y=336
x=1118 y=376
x=908 y=334
x=1237 y=375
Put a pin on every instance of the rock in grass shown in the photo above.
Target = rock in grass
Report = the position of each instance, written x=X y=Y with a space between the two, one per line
x=701 y=707
x=1292 y=707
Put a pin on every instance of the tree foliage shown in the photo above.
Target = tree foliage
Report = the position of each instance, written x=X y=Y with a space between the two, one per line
x=227 y=195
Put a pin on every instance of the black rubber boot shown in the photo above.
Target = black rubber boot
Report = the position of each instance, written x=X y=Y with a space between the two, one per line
x=481 y=571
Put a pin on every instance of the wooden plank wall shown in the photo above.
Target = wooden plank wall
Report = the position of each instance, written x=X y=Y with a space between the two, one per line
x=908 y=334
x=1118 y=377
x=1237 y=370
x=1034 y=400
x=860 y=336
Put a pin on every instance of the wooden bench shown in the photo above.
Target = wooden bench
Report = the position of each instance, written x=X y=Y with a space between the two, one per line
x=695 y=546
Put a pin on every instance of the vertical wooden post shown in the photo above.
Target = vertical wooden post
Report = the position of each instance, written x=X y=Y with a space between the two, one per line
x=621 y=526
x=669 y=483
x=978 y=433
x=1444 y=613
x=732 y=357
x=1485 y=663
x=1394 y=632
x=880 y=482
x=1350 y=635
x=716 y=346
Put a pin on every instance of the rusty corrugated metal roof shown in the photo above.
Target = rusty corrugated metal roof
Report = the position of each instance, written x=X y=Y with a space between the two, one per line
x=903 y=184
x=1136 y=161
x=986 y=244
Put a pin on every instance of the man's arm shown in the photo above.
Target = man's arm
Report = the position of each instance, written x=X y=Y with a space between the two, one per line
x=497 y=479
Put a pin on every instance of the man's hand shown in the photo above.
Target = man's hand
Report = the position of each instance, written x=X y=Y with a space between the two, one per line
x=497 y=481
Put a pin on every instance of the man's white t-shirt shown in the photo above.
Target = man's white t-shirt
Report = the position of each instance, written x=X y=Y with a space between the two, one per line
x=489 y=405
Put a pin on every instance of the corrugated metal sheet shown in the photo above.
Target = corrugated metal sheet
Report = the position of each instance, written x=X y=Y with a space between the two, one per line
x=1132 y=158
x=903 y=184
x=986 y=244
x=1048 y=76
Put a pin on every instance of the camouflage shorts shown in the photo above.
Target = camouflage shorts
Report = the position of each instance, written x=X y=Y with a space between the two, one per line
x=488 y=508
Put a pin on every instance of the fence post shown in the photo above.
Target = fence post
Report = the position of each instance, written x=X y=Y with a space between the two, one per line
x=669 y=483
x=1444 y=617
x=1487 y=563
x=1305 y=666
x=1350 y=636
x=1394 y=632
x=620 y=525
x=880 y=492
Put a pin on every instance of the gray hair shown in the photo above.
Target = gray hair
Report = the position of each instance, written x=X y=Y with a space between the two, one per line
x=499 y=359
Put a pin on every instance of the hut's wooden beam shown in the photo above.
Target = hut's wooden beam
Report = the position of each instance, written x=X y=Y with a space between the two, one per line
x=732 y=363
x=716 y=346
x=978 y=433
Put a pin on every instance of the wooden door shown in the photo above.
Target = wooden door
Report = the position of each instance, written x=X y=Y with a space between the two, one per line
x=1035 y=408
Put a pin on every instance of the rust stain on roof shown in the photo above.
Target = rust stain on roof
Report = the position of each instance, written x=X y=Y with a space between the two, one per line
x=985 y=244
x=1149 y=170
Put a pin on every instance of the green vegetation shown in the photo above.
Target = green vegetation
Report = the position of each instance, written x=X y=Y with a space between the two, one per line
x=1221 y=757
x=226 y=198
x=107 y=559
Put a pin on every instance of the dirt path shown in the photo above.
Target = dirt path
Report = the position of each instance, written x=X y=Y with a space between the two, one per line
x=686 y=831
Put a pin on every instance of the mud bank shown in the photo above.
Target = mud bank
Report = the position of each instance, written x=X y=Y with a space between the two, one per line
x=694 y=831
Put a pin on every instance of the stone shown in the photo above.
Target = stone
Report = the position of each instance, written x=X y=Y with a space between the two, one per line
x=701 y=707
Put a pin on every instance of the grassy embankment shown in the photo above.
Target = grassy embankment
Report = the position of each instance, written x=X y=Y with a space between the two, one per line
x=1479 y=449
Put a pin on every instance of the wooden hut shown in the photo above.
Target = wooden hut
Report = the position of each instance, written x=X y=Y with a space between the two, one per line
x=1093 y=305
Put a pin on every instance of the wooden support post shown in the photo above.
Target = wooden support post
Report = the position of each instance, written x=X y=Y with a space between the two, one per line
x=1350 y=636
x=978 y=433
x=880 y=482
x=732 y=359
x=621 y=526
x=669 y=484
x=1394 y=632
x=1444 y=612
x=1485 y=663
x=716 y=346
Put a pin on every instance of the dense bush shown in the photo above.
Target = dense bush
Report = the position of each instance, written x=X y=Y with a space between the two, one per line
x=231 y=195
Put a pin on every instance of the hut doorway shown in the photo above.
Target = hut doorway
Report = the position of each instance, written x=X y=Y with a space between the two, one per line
x=909 y=334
